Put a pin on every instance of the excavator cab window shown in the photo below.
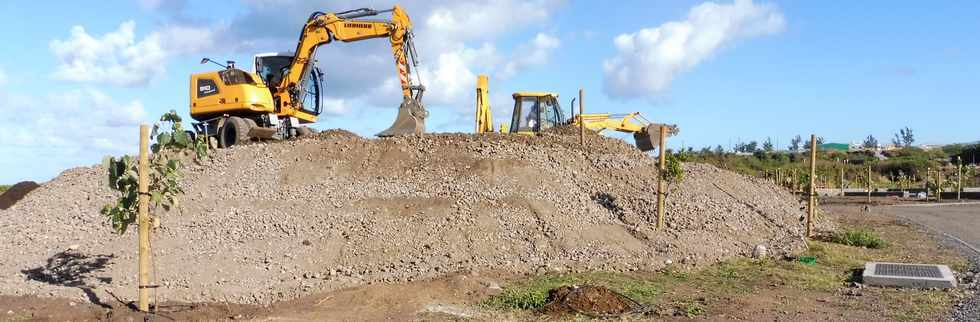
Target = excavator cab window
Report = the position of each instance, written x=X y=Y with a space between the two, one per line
x=271 y=69
x=235 y=77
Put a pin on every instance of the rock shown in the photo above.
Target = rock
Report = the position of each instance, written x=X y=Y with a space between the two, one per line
x=760 y=252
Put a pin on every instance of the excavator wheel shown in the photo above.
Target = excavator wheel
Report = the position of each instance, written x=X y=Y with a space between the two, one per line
x=234 y=131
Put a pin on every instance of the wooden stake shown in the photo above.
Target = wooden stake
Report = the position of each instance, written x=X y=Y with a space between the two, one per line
x=661 y=185
x=813 y=183
x=959 y=178
x=143 y=220
x=581 y=116
x=869 y=184
x=925 y=184
x=842 y=178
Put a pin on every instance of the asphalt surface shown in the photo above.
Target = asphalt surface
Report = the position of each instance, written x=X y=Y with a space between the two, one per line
x=961 y=221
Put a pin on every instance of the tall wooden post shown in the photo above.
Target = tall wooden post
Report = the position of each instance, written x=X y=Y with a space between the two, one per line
x=869 y=183
x=842 y=178
x=581 y=116
x=661 y=184
x=959 y=177
x=939 y=184
x=925 y=184
x=143 y=220
x=813 y=183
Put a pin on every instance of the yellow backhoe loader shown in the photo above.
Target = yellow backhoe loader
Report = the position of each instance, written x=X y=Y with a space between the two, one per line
x=538 y=111
x=283 y=91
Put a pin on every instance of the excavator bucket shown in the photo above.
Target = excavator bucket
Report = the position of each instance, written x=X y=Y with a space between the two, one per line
x=649 y=138
x=410 y=120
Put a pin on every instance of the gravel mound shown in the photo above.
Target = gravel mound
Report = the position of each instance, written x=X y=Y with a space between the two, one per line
x=16 y=193
x=274 y=221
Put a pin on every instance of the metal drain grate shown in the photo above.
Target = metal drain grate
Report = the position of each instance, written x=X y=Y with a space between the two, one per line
x=908 y=275
x=908 y=270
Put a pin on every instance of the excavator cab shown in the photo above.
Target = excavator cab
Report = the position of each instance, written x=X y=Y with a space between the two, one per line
x=271 y=68
x=535 y=112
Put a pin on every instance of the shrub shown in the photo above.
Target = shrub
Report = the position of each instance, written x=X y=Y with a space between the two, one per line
x=859 y=237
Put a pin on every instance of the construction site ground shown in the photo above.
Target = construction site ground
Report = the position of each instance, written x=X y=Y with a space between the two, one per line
x=737 y=289
x=450 y=226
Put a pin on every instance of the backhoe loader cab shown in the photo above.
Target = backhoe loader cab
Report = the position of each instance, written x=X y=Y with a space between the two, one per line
x=534 y=112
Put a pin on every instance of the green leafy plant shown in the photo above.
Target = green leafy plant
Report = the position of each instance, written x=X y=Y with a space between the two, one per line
x=693 y=309
x=860 y=237
x=163 y=175
x=673 y=174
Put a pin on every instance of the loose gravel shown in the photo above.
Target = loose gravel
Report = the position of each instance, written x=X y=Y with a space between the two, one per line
x=273 y=221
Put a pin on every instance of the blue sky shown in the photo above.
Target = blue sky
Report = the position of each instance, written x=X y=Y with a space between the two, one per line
x=77 y=77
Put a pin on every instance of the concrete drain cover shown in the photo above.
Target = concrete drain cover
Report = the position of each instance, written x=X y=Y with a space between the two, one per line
x=908 y=275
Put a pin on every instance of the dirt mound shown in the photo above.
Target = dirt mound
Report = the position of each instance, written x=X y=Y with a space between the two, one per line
x=274 y=221
x=594 y=301
x=16 y=192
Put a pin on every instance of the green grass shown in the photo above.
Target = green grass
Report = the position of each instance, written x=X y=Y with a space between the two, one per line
x=860 y=237
x=4 y=187
x=533 y=293
x=686 y=291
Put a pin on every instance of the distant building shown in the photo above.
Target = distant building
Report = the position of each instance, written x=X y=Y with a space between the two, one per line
x=841 y=147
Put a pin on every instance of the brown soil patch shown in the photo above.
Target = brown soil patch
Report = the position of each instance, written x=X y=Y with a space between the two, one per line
x=16 y=193
x=595 y=301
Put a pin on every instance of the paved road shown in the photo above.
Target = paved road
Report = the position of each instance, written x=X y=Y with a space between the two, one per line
x=960 y=221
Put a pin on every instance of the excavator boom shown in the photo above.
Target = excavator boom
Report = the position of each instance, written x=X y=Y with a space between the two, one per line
x=323 y=28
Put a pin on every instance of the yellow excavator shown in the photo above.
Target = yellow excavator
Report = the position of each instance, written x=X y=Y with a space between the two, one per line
x=538 y=111
x=283 y=91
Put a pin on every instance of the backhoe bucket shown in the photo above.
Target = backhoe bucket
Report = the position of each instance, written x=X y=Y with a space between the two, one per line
x=411 y=120
x=648 y=138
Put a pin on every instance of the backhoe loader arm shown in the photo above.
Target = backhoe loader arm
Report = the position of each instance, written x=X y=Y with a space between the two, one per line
x=323 y=28
x=484 y=117
x=645 y=133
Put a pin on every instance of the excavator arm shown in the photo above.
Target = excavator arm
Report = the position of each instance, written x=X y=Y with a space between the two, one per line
x=324 y=28
x=645 y=133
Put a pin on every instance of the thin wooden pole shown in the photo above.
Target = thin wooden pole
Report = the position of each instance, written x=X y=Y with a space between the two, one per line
x=661 y=185
x=813 y=184
x=939 y=184
x=959 y=178
x=842 y=178
x=925 y=184
x=869 y=183
x=581 y=116
x=143 y=220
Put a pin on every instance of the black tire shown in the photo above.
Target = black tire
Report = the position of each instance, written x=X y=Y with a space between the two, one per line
x=234 y=131
x=304 y=131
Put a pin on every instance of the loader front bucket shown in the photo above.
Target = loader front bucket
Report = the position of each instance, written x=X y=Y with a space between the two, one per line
x=410 y=120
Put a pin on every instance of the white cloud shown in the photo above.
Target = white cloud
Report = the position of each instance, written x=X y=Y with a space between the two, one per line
x=537 y=52
x=117 y=58
x=649 y=59
x=70 y=126
x=335 y=106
